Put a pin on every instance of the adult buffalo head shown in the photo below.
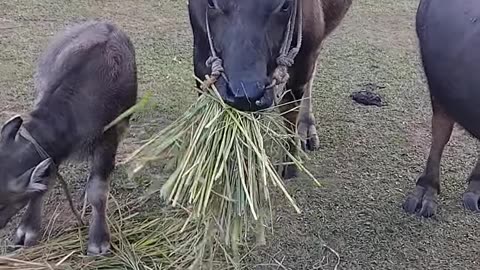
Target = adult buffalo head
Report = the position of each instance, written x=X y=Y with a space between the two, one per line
x=247 y=36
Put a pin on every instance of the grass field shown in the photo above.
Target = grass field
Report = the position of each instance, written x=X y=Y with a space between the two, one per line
x=369 y=156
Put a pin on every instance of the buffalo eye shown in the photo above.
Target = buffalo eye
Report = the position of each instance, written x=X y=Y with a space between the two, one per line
x=286 y=5
x=211 y=4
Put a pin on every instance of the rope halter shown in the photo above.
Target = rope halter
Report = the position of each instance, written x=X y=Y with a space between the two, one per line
x=23 y=132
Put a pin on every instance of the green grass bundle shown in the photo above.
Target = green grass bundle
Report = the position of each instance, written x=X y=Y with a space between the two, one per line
x=222 y=164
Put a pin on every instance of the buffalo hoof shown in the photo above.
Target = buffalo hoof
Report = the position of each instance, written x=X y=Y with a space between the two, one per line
x=26 y=236
x=99 y=238
x=422 y=202
x=98 y=249
x=471 y=200
x=308 y=133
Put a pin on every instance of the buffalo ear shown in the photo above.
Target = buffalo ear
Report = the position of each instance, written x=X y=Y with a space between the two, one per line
x=40 y=176
x=20 y=184
x=10 y=129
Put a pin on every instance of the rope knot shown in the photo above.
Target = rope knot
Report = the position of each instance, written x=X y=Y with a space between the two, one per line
x=280 y=75
x=278 y=87
x=216 y=65
x=292 y=54
x=285 y=60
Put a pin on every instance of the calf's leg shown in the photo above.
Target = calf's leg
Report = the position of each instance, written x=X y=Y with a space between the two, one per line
x=423 y=200
x=103 y=164
x=28 y=232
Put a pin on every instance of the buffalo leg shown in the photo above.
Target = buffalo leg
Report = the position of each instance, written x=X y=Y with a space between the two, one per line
x=28 y=232
x=300 y=119
x=471 y=197
x=423 y=200
x=306 y=124
x=289 y=111
x=103 y=164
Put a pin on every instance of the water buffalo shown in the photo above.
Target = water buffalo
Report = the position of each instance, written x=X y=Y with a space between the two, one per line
x=84 y=80
x=448 y=36
x=248 y=36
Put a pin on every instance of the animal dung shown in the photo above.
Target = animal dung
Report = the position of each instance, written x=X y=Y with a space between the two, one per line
x=367 y=97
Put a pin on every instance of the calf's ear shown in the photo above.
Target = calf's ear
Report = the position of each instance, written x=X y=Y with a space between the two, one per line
x=10 y=129
x=41 y=176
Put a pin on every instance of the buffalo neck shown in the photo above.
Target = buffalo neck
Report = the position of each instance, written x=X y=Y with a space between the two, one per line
x=54 y=132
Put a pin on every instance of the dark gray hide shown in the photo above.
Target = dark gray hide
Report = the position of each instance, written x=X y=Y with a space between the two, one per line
x=449 y=38
x=84 y=80
x=247 y=36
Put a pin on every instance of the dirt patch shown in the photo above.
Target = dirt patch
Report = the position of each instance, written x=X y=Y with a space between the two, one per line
x=368 y=160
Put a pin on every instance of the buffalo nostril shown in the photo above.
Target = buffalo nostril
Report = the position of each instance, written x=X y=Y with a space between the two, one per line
x=261 y=102
x=265 y=101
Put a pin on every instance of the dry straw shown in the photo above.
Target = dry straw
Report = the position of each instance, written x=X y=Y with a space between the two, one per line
x=164 y=241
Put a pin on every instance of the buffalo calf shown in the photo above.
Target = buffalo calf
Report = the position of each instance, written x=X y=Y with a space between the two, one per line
x=84 y=80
